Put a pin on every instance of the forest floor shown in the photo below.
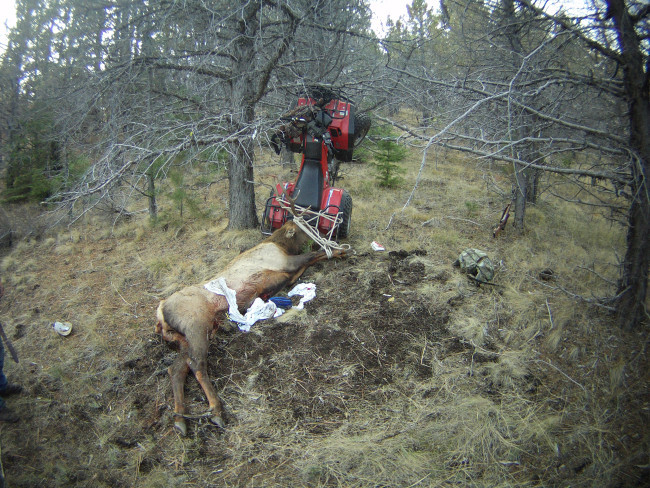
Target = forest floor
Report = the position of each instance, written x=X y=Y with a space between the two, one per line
x=400 y=373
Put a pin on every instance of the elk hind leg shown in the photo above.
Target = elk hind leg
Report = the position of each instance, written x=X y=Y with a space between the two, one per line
x=199 y=368
x=198 y=363
x=178 y=373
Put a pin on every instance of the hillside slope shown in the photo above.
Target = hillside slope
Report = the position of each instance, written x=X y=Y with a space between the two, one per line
x=400 y=373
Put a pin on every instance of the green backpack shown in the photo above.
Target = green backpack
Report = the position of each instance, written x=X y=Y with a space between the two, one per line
x=476 y=264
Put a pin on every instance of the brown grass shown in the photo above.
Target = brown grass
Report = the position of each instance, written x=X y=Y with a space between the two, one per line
x=400 y=373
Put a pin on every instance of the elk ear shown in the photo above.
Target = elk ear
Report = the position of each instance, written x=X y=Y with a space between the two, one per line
x=290 y=233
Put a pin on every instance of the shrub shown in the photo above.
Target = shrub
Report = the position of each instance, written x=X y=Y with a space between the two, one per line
x=389 y=154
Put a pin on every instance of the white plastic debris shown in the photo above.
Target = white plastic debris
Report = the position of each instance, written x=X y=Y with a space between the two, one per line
x=306 y=290
x=376 y=246
x=62 y=328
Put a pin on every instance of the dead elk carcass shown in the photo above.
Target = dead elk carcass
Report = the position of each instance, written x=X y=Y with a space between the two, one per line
x=191 y=315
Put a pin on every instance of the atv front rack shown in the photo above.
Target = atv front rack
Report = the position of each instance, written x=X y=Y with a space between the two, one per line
x=278 y=210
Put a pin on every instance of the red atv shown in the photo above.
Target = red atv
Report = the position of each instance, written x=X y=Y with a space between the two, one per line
x=325 y=128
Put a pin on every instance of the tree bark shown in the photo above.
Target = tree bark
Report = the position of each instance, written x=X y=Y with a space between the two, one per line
x=633 y=287
x=521 y=188
x=151 y=196
x=520 y=122
x=243 y=212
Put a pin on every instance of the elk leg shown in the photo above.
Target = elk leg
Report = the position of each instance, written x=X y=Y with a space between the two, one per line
x=199 y=369
x=296 y=267
x=315 y=256
x=178 y=372
x=213 y=398
x=304 y=261
x=198 y=354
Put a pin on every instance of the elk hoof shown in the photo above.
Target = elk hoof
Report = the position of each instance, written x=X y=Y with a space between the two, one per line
x=218 y=421
x=180 y=426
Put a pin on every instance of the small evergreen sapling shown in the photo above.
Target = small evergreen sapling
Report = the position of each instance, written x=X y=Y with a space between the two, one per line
x=386 y=165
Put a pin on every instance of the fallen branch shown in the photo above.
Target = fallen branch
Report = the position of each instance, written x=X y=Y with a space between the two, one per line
x=560 y=371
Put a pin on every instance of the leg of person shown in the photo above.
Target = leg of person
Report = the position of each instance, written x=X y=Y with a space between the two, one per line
x=6 y=415
x=6 y=388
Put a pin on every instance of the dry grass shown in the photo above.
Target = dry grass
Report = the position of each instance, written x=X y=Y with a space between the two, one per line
x=400 y=373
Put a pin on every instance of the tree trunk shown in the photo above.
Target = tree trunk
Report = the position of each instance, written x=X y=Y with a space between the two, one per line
x=532 y=185
x=532 y=177
x=520 y=122
x=151 y=196
x=633 y=287
x=242 y=212
x=521 y=188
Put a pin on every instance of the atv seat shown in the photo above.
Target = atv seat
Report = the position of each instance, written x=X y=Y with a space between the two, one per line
x=309 y=187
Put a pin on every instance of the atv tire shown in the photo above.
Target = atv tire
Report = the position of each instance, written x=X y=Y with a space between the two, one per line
x=346 y=208
x=362 y=124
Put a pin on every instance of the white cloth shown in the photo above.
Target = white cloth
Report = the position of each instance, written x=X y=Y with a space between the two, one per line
x=306 y=290
x=257 y=311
